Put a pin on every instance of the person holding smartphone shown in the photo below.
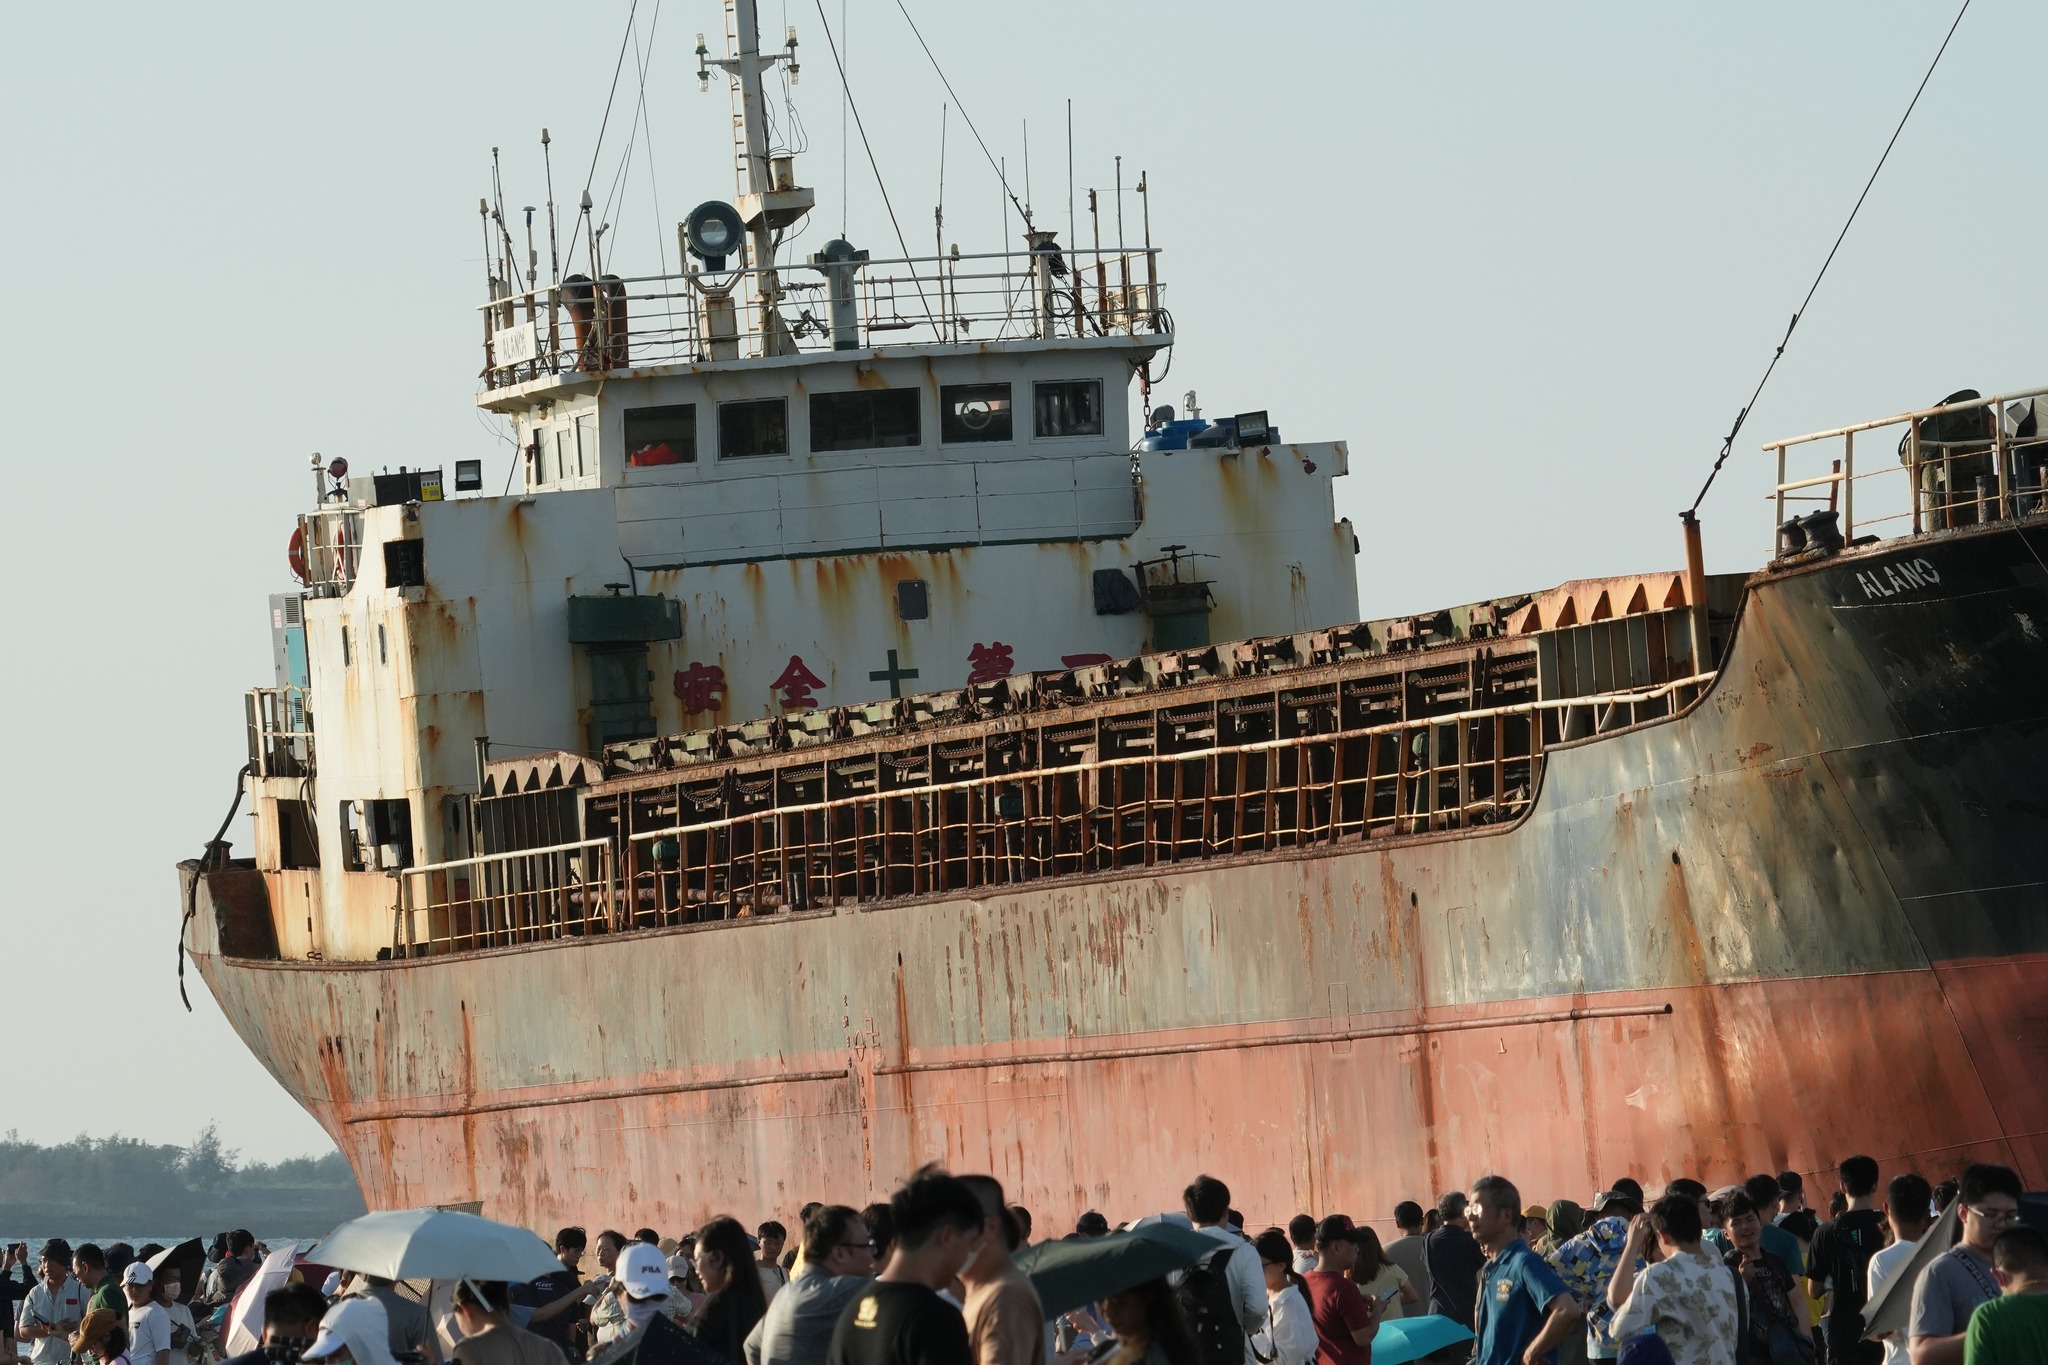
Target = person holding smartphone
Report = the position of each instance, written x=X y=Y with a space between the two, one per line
x=54 y=1307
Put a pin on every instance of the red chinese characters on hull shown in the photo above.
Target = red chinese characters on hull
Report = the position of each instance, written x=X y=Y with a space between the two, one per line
x=989 y=662
x=700 y=687
x=797 y=684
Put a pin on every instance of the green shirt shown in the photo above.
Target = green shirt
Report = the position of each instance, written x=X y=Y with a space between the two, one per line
x=110 y=1295
x=2010 y=1330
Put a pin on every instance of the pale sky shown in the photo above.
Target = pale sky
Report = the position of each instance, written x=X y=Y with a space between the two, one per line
x=1527 y=259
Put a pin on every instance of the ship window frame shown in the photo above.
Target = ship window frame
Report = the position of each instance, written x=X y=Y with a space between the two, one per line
x=953 y=429
x=1058 y=390
x=734 y=412
x=853 y=419
x=585 y=424
x=669 y=422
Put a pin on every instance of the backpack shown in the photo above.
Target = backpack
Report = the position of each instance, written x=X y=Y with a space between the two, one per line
x=1204 y=1294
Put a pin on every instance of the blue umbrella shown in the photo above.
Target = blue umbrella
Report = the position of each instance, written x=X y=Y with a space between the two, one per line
x=1401 y=1340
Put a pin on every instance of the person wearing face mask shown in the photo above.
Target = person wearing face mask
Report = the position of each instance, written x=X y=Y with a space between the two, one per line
x=483 y=1311
x=900 y=1319
x=1005 y=1322
x=732 y=1280
x=641 y=1289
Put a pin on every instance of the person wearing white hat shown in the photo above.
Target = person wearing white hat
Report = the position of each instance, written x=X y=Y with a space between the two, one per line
x=149 y=1323
x=642 y=1279
x=354 y=1330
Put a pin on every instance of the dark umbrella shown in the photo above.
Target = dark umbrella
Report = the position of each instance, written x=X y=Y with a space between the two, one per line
x=190 y=1260
x=660 y=1342
x=1070 y=1274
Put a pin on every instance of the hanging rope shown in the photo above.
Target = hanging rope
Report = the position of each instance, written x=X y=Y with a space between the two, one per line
x=1728 y=442
x=192 y=891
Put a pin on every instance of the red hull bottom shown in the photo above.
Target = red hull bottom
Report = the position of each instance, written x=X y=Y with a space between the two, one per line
x=1561 y=1094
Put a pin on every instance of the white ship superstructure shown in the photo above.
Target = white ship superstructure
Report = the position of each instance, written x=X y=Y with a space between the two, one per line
x=755 y=488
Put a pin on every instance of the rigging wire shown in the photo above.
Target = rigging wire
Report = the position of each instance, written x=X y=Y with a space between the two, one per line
x=1728 y=442
x=845 y=101
x=647 y=124
x=624 y=40
x=862 y=129
x=963 y=111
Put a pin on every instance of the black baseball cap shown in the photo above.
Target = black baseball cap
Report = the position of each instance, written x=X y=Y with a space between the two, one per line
x=1092 y=1224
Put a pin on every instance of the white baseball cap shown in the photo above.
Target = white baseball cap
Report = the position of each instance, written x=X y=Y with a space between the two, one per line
x=138 y=1272
x=643 y=1270
x=358 y=1324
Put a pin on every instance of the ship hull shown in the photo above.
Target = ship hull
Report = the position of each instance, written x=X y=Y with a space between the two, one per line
x=1805 y=917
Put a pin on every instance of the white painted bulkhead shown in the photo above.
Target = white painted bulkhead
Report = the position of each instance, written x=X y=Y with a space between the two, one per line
x=1007 y=557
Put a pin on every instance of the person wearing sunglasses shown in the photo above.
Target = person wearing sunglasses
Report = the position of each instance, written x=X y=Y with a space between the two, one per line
x=838 y=1263
x=1963 y=1277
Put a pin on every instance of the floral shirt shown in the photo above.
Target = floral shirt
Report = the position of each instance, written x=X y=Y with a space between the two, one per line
x=1689 y=1297
x=1586 y=1263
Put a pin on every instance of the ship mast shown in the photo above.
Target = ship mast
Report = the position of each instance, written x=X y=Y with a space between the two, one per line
x=769 y=197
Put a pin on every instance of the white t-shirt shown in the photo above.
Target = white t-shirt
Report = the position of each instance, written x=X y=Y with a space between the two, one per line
x=1290 y=1332
x=149 y=1331
x=1885 y=1264
x=1304 y=1261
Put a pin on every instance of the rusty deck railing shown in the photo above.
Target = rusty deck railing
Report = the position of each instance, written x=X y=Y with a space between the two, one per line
x=280 y=731
x=1329 y=762
x=536 y=894
x=1965 y=463
x=620 y=323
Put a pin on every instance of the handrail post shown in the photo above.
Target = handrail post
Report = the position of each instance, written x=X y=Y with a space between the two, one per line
x=2000 y=457
x=1776 y=533
x=1848 y=486
x=1913 y=469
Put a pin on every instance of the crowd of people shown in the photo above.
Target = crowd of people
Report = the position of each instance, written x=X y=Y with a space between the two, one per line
x=1743 y=1275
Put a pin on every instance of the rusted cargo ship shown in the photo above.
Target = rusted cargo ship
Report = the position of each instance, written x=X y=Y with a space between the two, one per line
x=1028 y=797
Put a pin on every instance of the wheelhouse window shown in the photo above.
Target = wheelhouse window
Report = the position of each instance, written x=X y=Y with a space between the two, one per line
x=974 y=412
x=1067 y=407
x=758 y=426
x=664 y=435
x=865 y=419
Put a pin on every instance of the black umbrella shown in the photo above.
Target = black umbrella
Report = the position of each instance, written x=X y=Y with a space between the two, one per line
x=1070 y=1274
x=189 y=1257
x=660 y=1342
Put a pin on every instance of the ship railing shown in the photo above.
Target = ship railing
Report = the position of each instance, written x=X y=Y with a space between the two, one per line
x=1964 y=463
x=280 y=731
x=330 y=544
x=1457 y=771
x=497 y=899
x=699 y=317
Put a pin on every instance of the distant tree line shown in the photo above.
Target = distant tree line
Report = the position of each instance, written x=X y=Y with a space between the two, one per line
x=121 y=1186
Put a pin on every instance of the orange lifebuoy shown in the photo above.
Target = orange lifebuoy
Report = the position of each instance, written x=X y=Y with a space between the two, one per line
x=295 y=554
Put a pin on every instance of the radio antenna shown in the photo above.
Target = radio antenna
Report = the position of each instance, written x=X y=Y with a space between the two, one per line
x=939 y=213
x=554 y=255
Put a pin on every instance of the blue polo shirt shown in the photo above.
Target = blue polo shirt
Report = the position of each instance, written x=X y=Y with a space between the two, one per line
x=1515 y=1289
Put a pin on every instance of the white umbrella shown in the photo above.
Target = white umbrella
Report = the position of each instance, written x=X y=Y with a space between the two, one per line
x=245 y=1319
x=1889 y=1311
x=435 y=1244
